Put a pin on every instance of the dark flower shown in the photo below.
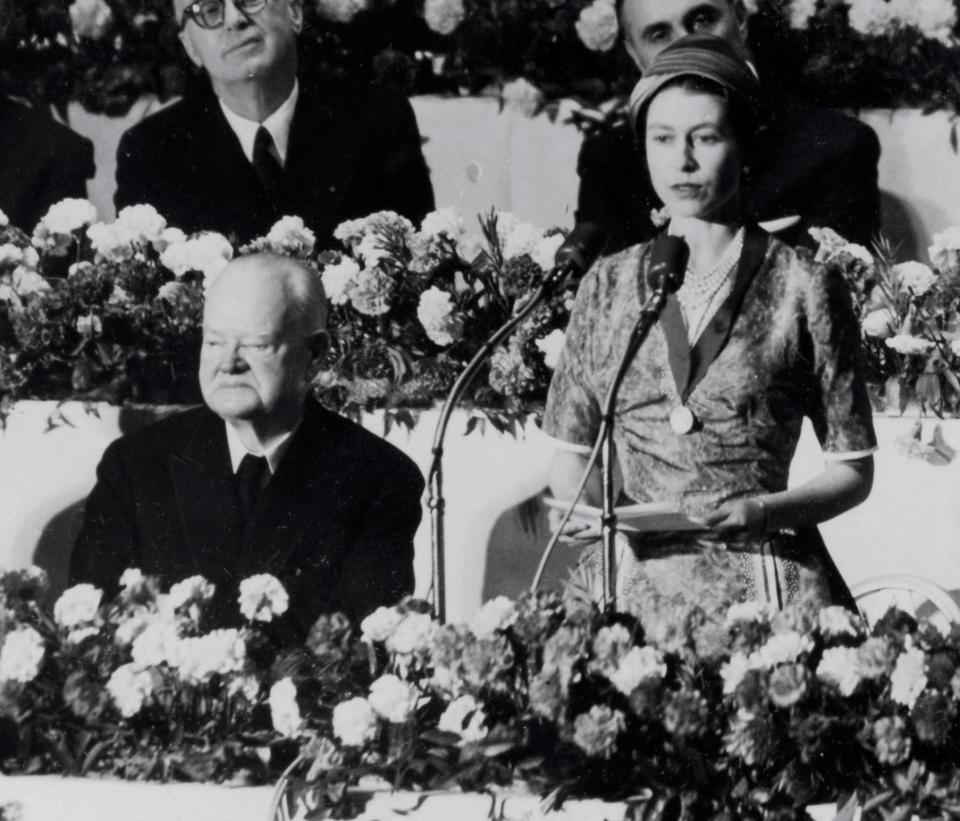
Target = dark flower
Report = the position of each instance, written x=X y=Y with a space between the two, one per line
x=933 y=716
x=685 y=713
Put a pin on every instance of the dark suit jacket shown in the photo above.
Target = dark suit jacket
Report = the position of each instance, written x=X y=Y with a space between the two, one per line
x=812 y=162
x=335 y=523
x=41 y=163
x=353 y=150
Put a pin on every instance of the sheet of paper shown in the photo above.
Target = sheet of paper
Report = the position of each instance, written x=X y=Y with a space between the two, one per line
x=636 y=518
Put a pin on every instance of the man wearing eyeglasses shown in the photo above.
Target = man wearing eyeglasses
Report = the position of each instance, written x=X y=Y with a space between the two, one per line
x=265 y=140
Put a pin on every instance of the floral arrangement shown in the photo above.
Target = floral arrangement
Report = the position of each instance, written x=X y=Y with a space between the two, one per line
x=546 y=694
x=409 y=308
x=852 y=53
x=138 y=688
x=909 y=317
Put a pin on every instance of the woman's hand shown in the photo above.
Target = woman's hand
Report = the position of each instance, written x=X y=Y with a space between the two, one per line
x=574 y=533
x=744 y=517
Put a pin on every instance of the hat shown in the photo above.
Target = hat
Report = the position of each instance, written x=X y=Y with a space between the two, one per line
x=698 y=55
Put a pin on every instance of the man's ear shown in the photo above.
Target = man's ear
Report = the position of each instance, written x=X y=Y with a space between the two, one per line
x=191 y=51
x=318 y=344
x=295 y=8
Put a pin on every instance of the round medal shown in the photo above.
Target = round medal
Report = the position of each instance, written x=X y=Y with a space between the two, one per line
x=682 y=419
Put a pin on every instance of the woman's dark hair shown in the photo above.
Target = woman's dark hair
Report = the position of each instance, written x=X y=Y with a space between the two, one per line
x=743 y=119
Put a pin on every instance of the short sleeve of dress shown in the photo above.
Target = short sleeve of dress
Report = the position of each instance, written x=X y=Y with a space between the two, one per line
x=837 y=399
x=573 y=410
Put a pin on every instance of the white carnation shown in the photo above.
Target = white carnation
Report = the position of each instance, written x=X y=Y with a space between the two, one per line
x=800 y=13
x=551 y=347
x=464 y=718
x=909 y=677
x=130 y=687
x=154 y=643
x=284 y=711
x=523 y=96
x=207 y=253
x=77 y=606
x=837 y=622
x=945 y=250
x=143 y=224
x=290 y=235
x=341 y=11
x=412 y=635
x=496 y=614
x=638 y=664
x=371 y=250
x=380 y=624
x=442 y=222
x=909 y=345
x=131 y=627
x=339 y=279
x=435 y=312
x=10 y=254
x=733 y=672
x=21 y=655
x=916 y=276
x=90 y=18
x=839 y=667
x=879 y=324
x=750 y=611
x=516 y=237
x=354 y=722
x=934 y=19
x=263 y=598
x=25 y=281
x=69 y=215
x=874 y=18
x=782 y=648
x=546 y=253
x=443 y=16
x=195 y=590
x=89 y=325
x=372 y=291
x=597 y=25
x=393 y=699
x=219 y=652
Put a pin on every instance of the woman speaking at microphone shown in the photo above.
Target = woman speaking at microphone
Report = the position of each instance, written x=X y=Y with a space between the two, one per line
x=709 y=413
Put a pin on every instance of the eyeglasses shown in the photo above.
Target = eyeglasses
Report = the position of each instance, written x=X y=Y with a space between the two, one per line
x=209 y=14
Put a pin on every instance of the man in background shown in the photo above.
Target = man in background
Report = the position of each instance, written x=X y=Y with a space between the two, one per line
x=262 y=140
x=814 y=167
x=41 y=163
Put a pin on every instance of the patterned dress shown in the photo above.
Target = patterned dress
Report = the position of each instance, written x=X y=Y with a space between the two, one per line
x=786 y=345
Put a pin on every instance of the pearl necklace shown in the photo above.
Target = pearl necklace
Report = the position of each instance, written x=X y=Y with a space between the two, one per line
x=698 y=295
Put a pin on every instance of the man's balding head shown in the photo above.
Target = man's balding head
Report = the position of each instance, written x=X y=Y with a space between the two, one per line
x=263 y=336
x=649 y=26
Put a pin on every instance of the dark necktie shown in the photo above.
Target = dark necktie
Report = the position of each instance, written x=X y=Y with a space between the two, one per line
x=251 y=477
x=266 y=165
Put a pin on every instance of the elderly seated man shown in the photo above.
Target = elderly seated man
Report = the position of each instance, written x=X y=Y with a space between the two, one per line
x=261 y=479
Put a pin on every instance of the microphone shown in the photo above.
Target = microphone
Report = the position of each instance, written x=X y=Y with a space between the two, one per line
x=668 y=263
x=580 y=249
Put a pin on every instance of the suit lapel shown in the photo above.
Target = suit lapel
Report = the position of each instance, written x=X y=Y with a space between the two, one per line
x=210 y=514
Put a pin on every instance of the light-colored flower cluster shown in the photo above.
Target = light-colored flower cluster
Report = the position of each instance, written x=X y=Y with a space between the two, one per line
x=838 y=622
x=639 y=664
x=393 y=699
x=21 y=655
x=944 y=251
x=840 y=666
x=136 y=227
x=263 y=598
x=413 y=634
x=597 y=26
x=496 y=614
x=523 y=96
x=90 y=18
x=219 y=652
x=77 y=606
x=596 y=732
x=380 y=624
x=284 y=710
x=156 y=642
x=750 y=611
x=207 y=253
x=909 y=345
x=436 y=313
x=800 y=12
x=909 y=676
x=130 y=686
x=383 y=223
x=782 y=648
x=189 y=596
x=341 y=11
x=464 y=717
x=880 y=324
x=551 y=346
x=354 y=722
x=289 y=236
x=444 y=16
x=54 y=234
x=934 y=19
x=915 y=276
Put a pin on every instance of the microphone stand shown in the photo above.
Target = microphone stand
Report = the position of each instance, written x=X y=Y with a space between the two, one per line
x=436 y=502
x=608 y=519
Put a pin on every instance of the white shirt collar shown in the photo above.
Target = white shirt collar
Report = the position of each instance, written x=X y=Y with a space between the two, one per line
x=278 y=124
x=274 y=453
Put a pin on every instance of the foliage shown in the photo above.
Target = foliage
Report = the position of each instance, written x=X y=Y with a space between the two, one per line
x=408 y=310
x=845 y=53
x=909 y=316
